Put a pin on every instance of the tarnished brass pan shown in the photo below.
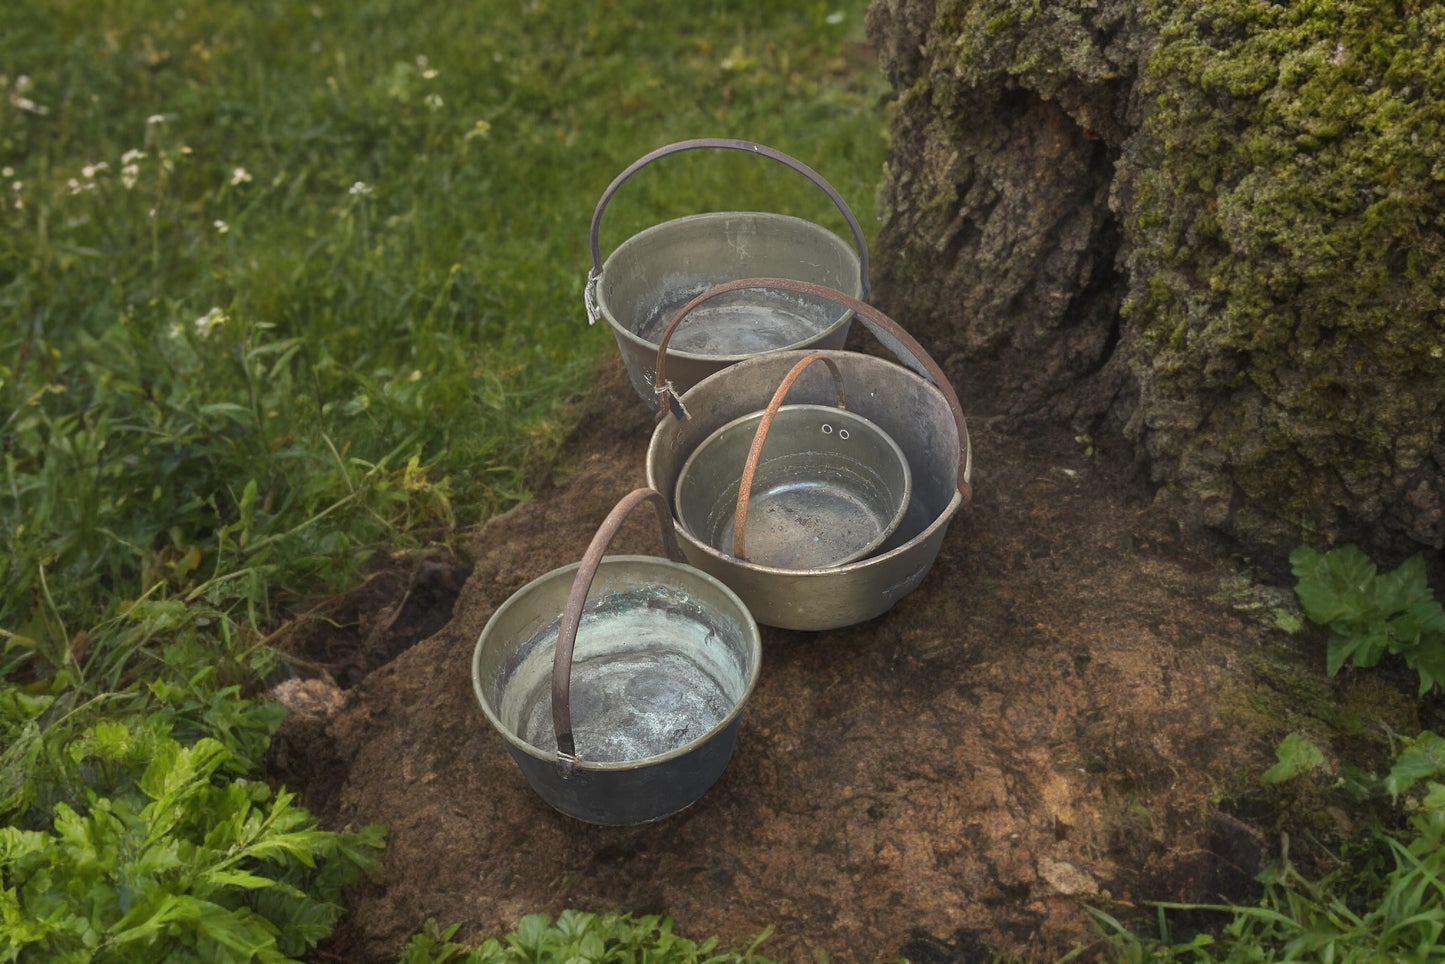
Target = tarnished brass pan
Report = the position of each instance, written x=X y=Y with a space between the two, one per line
x=915 y=405
x=651 y=274
x=618 y=683
x=795 y=486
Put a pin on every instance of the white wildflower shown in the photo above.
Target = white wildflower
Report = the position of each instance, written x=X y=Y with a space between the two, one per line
x=7 y=171
x=132 y=155
x=28 y=105
x=429 y=74
x=129 y=175
x=221 y=226
x=19 y=101
x=360 y=189
x=240 y=176
x=155 y=119
x=89 y=171
x=433 y=101
x=209 y=322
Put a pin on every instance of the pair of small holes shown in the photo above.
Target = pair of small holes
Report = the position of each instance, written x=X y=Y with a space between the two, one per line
x=828 y=430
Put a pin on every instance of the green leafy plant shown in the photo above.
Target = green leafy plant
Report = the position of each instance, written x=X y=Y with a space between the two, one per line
x=1384 y=904
x=1304 y=920
x=1383 y=898
x=1295 y=754
x=580 y=938
x=1369 y=613
x=178 y=866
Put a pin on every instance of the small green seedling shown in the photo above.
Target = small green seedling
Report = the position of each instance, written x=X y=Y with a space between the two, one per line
x=1296 y=754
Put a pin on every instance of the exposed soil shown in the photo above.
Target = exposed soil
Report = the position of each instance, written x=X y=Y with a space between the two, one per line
x=1061 y=715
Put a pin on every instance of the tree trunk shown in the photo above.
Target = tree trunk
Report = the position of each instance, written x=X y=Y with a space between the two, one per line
x=1214 y=231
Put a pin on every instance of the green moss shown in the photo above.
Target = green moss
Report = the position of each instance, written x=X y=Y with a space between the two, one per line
x=1290 y=696
x=1053 y=48
x=1280 y=184
x=1287 y=222
x=1289 y=689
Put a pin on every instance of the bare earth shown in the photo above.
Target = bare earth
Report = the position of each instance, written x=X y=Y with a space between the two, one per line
x=1054 y=719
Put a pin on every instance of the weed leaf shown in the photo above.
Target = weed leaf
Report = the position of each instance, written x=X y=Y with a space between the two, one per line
x=1424 y=759
x=1295 y=754
x=1370 y=614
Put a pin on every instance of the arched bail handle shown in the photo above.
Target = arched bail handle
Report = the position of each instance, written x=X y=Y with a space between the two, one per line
x=750 y=468
x=727 y=143
x=888 y=332
x=577 y=599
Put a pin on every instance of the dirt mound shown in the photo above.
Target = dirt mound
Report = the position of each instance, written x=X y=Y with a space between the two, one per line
x=1050 y=720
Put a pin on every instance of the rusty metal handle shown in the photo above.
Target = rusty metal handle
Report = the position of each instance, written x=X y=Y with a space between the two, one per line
x=750 y=468
x=722 y=143
x=888 y=332
x=577 y=599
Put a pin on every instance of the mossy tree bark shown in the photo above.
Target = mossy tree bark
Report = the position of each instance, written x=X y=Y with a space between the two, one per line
x=1214 y=228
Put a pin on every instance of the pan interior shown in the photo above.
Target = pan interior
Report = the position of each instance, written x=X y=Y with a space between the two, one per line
x=652 y=672
x=805 y=513
x=829 y=488
x=740 y=323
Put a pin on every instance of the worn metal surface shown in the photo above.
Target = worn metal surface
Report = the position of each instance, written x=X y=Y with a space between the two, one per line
x=647 y=278
x=923 y=416
x=656 y=659
x=657 y=271
x=829 y=487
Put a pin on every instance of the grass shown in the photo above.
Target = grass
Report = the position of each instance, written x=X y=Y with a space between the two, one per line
x=306 y=247
x=284 y=282
x=1380 y=895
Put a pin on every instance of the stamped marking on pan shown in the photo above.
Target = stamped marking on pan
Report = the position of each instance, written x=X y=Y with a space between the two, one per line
x=907 y=584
